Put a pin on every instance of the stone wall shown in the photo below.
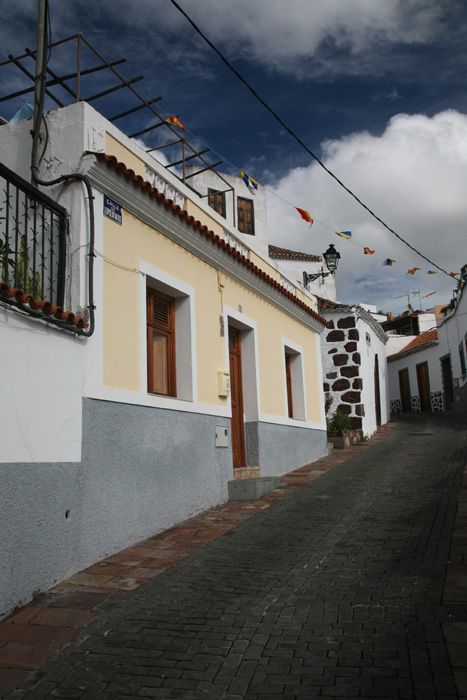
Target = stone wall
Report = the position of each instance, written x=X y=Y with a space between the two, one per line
x=343 y=378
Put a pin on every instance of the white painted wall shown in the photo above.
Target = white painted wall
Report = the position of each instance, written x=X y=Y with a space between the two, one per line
x=368 y=353
x=294 y=269
x=396 y=343
x=41 y=389
x=452 y=331
x=426 y=321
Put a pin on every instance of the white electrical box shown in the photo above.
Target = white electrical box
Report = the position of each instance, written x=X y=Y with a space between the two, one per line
x=223 y=384
x=222 y=436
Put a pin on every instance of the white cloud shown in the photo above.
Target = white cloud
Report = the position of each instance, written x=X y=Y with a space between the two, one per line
x=413 y=177
x=280 y=35
x=284 y=35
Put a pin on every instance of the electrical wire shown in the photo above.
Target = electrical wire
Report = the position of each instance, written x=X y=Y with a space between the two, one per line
x=297 y=138
x=235 y=167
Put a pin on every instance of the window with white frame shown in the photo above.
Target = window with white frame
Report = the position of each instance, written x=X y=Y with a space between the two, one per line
x=168 y=362
x=294 y=381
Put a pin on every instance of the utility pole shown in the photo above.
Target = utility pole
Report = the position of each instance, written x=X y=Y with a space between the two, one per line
x=40 y=52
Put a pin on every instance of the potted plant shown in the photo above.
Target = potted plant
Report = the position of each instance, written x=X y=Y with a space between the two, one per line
x=339 y=430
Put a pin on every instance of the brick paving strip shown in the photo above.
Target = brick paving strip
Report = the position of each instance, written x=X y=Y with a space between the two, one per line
x=267 y=634
x=34 y=633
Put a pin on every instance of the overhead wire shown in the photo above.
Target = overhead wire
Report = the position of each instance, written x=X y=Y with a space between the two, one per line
x=297 y=138
x=287 y=129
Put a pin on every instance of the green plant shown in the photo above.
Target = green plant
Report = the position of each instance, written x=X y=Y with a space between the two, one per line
x=338 y=421
x=30 y=284
x=5 y=260
x=328 y=401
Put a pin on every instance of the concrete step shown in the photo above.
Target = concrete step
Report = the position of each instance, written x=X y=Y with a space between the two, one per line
x=250 y=489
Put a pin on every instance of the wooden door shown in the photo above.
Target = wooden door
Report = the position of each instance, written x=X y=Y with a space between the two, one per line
x=288 y=379
x=423 y=382
x=236 y=398
x=404 y=387
x=377 y=393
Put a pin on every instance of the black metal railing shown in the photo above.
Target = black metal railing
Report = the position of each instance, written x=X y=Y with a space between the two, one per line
x=32 y=239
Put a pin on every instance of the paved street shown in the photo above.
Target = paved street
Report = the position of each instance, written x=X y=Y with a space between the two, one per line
x=336 y=590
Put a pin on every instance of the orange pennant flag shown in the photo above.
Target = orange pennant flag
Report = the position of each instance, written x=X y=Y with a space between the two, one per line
x=305 y=215
x=367 y=251
x=412 y=271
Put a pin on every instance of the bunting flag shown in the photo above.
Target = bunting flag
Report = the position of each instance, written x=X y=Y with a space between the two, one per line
x=305 y=215
x=175 y=121
x=453 y=274
x=432 y=272
x=250 y=183
x=428 y=295
x=409 y=306
x=388 y=261
x=344 y=234
x=389 y=315
x=367 y=251
x=412 y=271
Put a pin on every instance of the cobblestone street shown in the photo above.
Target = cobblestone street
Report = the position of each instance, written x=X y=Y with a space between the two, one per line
x=335 y=590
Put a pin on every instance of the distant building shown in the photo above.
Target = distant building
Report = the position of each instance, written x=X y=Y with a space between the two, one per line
x=428 y=372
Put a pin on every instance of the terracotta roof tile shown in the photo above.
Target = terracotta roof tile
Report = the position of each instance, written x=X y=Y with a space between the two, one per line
x=285 y=254
x=421 y=340
x=45 y=307
x=147 y=188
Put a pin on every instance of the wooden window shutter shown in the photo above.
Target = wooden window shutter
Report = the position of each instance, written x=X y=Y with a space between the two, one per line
x=217 y=201
x=246 y=221
x=160 y=311
x=161 y=343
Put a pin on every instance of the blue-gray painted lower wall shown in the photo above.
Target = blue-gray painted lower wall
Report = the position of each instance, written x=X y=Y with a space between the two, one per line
x=278 y=449
x=142 y=470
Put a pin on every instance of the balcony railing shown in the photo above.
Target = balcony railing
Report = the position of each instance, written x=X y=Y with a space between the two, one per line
x=32 y=240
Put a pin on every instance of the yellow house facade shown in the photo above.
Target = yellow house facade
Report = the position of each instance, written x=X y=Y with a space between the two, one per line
x=221 y=299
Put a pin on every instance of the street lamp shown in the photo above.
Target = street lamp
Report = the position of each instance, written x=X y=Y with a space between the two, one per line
x=331 y=257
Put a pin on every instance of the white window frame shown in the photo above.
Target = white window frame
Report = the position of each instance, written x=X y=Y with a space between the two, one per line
x=297 y=372
x=185 y=331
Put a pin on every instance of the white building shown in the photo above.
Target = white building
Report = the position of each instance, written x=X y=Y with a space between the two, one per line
x=354 y=365
x=415 y=382
x=428 y=373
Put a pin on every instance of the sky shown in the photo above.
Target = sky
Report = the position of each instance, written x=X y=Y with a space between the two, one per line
x=374 y=88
